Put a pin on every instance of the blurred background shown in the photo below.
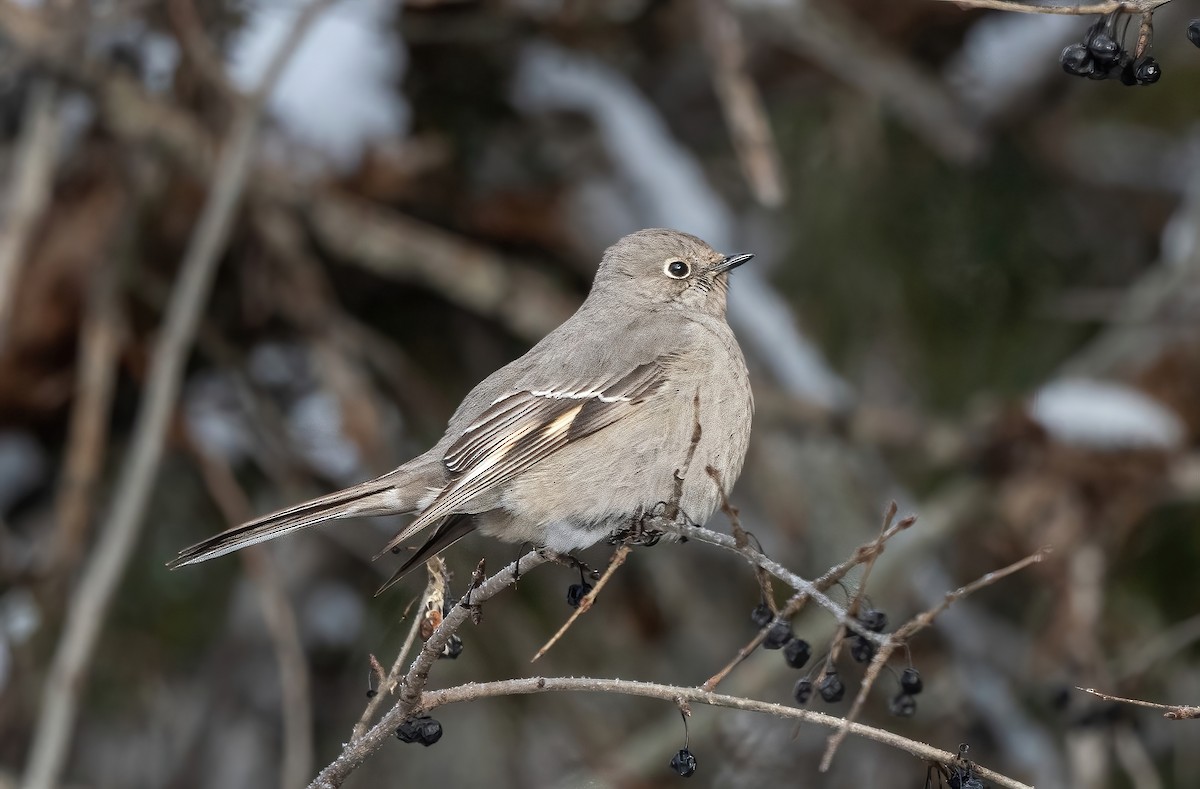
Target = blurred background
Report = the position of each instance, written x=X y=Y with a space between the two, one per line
x=976 y=292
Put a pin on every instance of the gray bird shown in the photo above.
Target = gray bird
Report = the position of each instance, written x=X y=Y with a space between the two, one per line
x=582 y=435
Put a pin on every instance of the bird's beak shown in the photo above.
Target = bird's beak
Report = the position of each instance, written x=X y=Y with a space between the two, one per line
x=732 y=262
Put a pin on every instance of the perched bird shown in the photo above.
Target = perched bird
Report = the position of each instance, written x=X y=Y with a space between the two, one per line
x=585 y=433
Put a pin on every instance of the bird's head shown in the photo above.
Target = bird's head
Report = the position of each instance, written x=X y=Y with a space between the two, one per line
x=667 y=267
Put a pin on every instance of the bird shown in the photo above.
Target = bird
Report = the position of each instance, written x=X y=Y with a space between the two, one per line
x=635 y=402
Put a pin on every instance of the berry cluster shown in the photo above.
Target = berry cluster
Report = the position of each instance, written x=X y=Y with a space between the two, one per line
x=904 y=705
x=797 y=652
x=1100 y=55
x=1193 y=32
x=424 y=730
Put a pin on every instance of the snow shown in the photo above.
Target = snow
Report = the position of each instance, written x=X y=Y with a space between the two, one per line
x=1104 y=415
x=336 y=92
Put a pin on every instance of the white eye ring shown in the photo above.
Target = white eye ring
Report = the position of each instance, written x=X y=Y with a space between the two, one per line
x=677 y=269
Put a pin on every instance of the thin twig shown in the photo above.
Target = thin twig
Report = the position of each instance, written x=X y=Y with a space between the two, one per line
x=389 y=683
x=36 y=157
x=797 y=602
x=99 y=342
x=118 y=537
x=355 y=752
x=758 y=559
x=1063 y=10
x=741 y=102
x=675 y=694
x=904 y=634
x=1175 y=712
x=585 y=604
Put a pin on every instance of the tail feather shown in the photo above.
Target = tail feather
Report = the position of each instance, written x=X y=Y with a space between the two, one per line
x=448 y=532
x=376 y=497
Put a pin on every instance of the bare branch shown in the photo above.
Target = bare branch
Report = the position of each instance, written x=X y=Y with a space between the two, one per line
x=1175 y=712
x=905 y=632
x=675 y=694
x=36 y=157
x=585 y=605
x=118 y=537
x=357 y=750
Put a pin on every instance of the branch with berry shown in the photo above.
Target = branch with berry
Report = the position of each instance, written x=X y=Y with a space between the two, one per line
x=860 y=632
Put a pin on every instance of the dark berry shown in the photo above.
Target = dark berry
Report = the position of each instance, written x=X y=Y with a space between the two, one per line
x=424 y=730
x=873 y=620
x=683 y=763
x=803 y=690
x=1128 y=75
x=453 y=648
x=1193 y=32
x=910 y=681
x=904 y=706
x=1147 y=71
x=861 y=650
x=1104 y=49
x=761 y=615
x=1076 y=61
x=831 y=687
x=778 y=636
x=797 y=652
x=576 y=593
x=371 y=692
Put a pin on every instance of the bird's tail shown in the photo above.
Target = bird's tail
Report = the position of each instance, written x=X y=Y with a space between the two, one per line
x=382 y=496
x=448 y=532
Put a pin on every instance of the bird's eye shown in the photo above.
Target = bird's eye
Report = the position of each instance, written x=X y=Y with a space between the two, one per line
x=677 y=269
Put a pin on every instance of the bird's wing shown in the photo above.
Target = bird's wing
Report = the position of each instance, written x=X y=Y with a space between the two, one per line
x=524 y=426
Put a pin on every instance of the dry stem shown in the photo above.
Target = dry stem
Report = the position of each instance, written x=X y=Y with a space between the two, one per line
x=618 y=559
x=118 y=537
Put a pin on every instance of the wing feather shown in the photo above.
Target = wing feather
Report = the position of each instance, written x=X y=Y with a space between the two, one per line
x=524 y=427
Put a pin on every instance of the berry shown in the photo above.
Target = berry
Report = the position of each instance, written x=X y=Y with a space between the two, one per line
x=371 y=693
x=453 y=648
x=761 y=615
x=1076 y=61
x=797 y=652
x=1128 y=75
x=803 y=690
x=861 y=650
x=424 y=730
x=683 y=763
x=1104 y=49
x=1193 y=32
x=576 y=593
x=910 y=681
x=903 y=706
x=1147 y=71
x=873 y=620
x=831 y=687
x=778 y=636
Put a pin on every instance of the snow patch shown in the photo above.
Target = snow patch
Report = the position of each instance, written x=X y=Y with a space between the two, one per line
x=336 y=91
x=1104 y=415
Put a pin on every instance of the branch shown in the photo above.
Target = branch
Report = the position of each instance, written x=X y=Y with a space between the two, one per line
x=1175 y=712
x=1134 y=6
x=585 y=605
x=355 y=752
x=673 y=694
x=36 y=156
x=118 y=537
x=758 y=559
x=904 y=634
